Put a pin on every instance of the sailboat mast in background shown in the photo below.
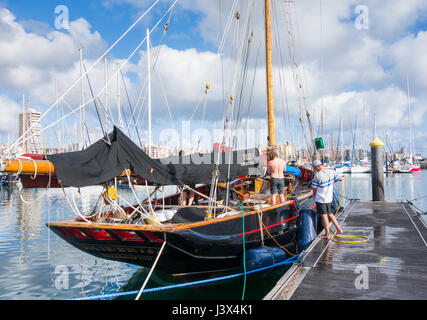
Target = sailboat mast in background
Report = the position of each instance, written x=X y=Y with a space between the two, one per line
x=411 y=145
x=82 y=102
x=149 y=93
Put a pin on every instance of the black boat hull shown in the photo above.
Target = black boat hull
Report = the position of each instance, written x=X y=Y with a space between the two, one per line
x=209 y=247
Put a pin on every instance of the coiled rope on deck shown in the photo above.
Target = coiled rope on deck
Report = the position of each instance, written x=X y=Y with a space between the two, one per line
x=364 y=239
x=338 y=236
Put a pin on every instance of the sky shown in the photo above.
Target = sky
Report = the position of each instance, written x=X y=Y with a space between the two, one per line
x=353 y=60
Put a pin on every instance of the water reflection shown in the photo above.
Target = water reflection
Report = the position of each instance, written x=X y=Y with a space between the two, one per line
x=257 y=286
x=35 y=263
x=398 y=187
x=28 y=210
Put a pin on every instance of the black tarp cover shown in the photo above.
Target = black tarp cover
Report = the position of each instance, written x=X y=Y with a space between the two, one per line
x=104 y=161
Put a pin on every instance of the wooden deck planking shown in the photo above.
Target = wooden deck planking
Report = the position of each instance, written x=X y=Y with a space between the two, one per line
x=395 y=258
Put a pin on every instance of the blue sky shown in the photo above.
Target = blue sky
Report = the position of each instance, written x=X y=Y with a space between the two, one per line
x=110 y=20
x=357 y=64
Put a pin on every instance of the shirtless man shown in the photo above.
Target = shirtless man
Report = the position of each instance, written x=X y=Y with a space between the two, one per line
x=275 y=169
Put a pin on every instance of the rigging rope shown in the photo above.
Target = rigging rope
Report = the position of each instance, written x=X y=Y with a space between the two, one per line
x=20 y=167
x=19 y=141
x=282 y=82
x=302 y=100
x=152 y=269
x=131 y=109
x=104 y=130
x=252 y=91
x=23 y=139
x=274 y=239
x=244 y=252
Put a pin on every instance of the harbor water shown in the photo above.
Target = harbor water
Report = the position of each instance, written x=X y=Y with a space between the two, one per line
x=35 y=264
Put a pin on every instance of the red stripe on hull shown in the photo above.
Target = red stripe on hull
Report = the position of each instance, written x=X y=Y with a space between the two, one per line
x=77 y=233
x=99 y=234
x=128 y=236
x=268 y=227
x=152 y=237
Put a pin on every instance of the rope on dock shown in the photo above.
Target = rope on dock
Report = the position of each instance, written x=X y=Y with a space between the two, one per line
x=364 y=239
x=335 y=236
x=121 y=294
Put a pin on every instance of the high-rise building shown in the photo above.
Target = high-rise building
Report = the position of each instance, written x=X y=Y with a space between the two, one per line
x=157 y=152
x=30 y=125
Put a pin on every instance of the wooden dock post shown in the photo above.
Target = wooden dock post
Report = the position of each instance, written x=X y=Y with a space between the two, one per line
x=377 y=169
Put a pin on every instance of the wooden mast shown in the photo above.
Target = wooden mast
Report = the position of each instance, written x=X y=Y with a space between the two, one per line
x=269 y=68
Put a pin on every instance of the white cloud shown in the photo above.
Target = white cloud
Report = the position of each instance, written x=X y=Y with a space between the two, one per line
x=184 y=73
x=30 y=59
x=9 y=119
x=408 y=57
x=391 y=19
x=372 y=63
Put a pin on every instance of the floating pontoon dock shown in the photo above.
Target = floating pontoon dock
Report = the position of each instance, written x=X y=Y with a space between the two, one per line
x=391 y=265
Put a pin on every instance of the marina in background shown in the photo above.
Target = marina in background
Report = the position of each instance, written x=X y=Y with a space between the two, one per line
x=34 y=267
x=98 y=210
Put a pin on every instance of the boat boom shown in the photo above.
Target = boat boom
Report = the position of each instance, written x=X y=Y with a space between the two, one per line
x=25 y=166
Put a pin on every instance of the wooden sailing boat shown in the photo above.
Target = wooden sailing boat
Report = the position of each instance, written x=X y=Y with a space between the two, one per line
x=210 y=236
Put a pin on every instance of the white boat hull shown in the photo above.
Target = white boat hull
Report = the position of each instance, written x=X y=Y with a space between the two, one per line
x=360 y=169
x=343 y=170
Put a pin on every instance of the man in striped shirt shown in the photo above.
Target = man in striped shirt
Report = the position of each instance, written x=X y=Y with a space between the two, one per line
x=323 y=189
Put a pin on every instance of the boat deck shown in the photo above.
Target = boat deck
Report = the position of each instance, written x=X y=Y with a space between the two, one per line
x=391 y=265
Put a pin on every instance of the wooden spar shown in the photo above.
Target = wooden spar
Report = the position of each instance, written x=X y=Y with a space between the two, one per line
x=28 y=166
x=269 y=68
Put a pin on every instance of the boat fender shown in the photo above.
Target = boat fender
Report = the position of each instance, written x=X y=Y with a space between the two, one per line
x=308 y=228
x=294 y=171
x=262 y=257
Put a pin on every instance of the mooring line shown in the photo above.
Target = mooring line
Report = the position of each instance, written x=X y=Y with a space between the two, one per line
x=151 y=271
x=121 y=294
